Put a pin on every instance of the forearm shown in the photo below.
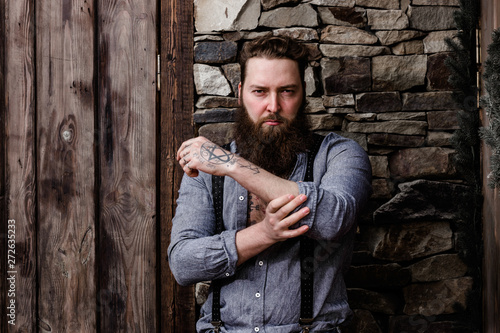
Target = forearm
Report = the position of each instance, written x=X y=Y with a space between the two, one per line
x=250 y=242
x=261 y=182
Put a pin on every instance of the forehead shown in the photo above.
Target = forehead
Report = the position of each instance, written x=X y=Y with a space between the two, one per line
x=264 y=71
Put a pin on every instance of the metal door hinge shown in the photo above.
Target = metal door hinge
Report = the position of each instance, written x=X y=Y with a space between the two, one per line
x=158 y=72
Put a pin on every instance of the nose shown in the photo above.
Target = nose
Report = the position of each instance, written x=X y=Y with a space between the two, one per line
x=273 y=105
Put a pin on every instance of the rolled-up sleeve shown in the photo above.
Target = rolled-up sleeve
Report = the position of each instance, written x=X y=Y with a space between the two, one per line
x=342 y=185
x=195 y=252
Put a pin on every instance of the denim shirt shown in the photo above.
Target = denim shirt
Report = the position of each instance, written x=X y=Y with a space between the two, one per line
x=263 y=294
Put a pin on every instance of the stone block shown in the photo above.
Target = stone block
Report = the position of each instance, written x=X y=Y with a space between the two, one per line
x=408 y=47
x=354 y=17
x=402 y=242
x=315 y=105
x=210 y=80
x=215 y=52
x=359 y=138
x=431 y=18
x=436 y=298
x=383 y=4
x=395 y=140
x=311 y=80
x=336 y=51
x=354 y=116
x=217 y=115
x=438 y=139
x=219 y=133
x=338 y=100
x=455 y=3
x=304 y=34
x=302 y=15
x=423 y=162
x=378 y=102
x=380 y=166
x=427 y=101
x=406 y=127
x=437 y=268
x=324 y=122
x=382 y=189
x=210 y=102
x=435 y=41
x=386 y=303
x=226 y=15
x=346 y=35
x=336 y=3
x=422 y=116
x=423 y=200
x=389 y=276
x=233 y=75
x=443 y=120
x=437 y=72
x=270 y=4
x=390 y=37
x=201 y=292
x=428 y=324
x=387 y=19
x=345 y=75
x=362 y=322
x=398 y=73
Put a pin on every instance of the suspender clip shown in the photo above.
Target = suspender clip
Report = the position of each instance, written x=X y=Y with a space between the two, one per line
x=305 y=323
x=217 y=324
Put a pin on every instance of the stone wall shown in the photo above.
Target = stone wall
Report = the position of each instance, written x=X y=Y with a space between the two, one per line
x=376 y=75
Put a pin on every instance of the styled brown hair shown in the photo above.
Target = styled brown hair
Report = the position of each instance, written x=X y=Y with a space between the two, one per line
x=274 y=47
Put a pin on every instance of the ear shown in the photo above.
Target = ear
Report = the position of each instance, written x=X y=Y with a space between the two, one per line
x=239 y=93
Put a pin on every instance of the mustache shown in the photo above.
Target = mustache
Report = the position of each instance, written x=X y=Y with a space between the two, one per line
x=273 y=117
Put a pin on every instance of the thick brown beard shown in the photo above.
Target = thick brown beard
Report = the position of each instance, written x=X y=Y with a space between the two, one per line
x=273 y=148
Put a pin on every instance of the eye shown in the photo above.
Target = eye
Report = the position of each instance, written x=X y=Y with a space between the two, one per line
x=258 y=91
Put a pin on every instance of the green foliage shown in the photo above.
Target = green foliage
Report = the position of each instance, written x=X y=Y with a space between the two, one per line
x=491 y=103
x=463 y=77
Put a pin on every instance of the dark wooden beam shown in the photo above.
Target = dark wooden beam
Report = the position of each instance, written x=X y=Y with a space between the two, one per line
x=176 y=105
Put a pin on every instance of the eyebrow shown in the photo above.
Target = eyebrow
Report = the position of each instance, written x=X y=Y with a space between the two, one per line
x=288 y=86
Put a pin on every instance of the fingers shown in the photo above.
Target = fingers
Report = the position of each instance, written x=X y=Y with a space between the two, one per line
x=281 y=218
x=286 y=204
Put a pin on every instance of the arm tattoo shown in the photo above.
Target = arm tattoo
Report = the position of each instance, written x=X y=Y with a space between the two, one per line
x=250 y=167
x=216 y=155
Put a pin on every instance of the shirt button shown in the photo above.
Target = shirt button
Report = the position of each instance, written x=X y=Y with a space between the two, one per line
x=257 y=295
x=241 y=198
x=227 y=274
x=256 y=329
x=261 y=263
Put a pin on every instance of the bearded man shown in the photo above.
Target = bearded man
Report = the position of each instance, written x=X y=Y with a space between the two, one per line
x=280 y=183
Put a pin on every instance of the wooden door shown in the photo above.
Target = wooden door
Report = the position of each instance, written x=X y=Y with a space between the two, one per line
x=88 y=174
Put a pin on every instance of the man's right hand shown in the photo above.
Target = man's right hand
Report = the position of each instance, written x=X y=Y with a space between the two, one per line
x=274 y=228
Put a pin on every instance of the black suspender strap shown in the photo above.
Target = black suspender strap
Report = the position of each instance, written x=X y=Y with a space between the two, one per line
x=307 y=246
x=218 y=199
x=217 y=192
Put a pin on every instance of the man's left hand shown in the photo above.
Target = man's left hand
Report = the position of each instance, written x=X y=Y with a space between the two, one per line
x=201 y=154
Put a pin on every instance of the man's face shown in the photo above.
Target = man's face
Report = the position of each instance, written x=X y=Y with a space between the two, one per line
x=272 y=90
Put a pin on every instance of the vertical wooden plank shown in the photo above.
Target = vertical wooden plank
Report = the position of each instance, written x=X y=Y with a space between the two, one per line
x=177 y=103
x=490 y=20
x=20 y=164
x=65 y=130
x=3 y=206
x=127 y=130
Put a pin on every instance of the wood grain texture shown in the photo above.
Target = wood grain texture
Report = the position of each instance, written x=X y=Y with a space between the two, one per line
x=177 y=103
x=65 y=138
x=127 y=153
x=19 y=152
x=3 y=162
